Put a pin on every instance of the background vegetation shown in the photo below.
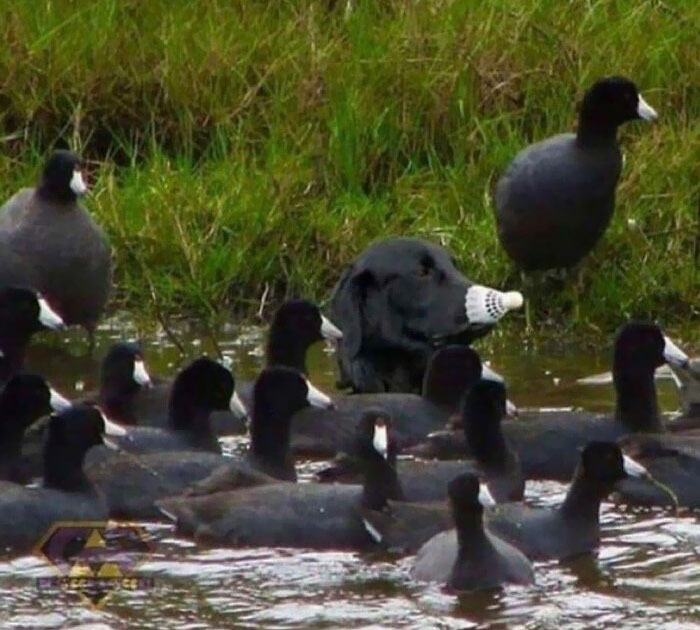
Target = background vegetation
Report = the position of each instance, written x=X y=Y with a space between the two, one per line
x=243 y=148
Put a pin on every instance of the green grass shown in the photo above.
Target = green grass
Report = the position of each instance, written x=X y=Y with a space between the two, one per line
x=248 y=148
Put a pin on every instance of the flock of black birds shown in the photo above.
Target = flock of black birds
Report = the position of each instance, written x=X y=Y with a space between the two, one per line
x=142 y=449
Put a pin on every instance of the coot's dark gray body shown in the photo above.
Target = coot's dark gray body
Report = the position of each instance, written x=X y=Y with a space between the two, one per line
x=65 y=250
x=132 y=484
x=555 y=201
x=300 y=515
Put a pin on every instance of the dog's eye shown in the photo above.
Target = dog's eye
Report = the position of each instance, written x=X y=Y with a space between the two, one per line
x=423 y=271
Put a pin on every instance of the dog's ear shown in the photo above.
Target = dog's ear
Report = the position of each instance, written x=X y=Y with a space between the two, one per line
x=347 y=303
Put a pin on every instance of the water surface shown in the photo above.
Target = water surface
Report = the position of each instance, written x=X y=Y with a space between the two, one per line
x=646 y=574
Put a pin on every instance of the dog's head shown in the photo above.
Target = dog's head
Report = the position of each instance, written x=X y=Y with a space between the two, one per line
x=403 y=293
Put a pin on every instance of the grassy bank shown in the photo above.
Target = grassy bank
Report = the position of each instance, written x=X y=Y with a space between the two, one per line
x=249 y=148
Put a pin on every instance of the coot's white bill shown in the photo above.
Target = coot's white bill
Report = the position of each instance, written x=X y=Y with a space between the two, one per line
x=485 y=497
x=673 y=354
x=317 y=398
x=77 y=183
x=48 y=317
x=59 y=403
x=646 y=111
x=490 y=375
x=237 y=407
x=634 y=468
x=380 y=441
x=141 y=376
x=329 y=330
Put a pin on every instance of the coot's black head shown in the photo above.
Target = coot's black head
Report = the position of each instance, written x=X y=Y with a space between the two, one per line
x=25 y=398
x=76 y=430
x=23 y=312
x=279 y=392
x=612 y=101
x=303 y=319
x=485 y=403
x=62 y=178
x=604 y=464
x=468 y=496
x=297 y=325
x=643 y=346
x=374 y=439
x=204 y=385
x=451 y=371
x=123 y=368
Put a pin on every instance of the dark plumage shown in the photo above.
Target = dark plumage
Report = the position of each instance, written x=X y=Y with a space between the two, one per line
x=494 y=461
x=396 y=303
x=199 y=389
x=482 y=560
x=556 y=198
x=22 y=314
x=27 y=514
x=673 y=460
x=54 y=237
x=295 y=327
x=129 y=396
x=450 y=372
x=24 y=399
x=279 y=392
x=540 y=533
x=295 y=515
x=548 y=443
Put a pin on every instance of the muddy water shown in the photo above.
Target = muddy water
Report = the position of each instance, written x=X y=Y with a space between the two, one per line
x=647 y=573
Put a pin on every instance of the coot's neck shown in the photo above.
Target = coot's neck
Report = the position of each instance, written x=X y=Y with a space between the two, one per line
x=55 y=194
x=582 y=502
x=440 y=391
x=636 y=406
x=192 y=418
x=381 y=483
x=471 y=536
x=593 y=132
x=118 y=402
x=486 y=443
x=269 y=442
x=63 y=469
x=285 y=349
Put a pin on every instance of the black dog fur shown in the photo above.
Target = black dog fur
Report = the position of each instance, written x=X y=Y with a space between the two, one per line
x=396 y=303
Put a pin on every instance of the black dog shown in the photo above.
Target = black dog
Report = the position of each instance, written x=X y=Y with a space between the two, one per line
x=396 y=303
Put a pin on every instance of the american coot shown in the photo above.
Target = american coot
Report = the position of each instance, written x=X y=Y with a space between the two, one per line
x=548 y=443
x=296 y=325
x=451 y=371
x=57 y=239
x=400 y=300
x=129 y=396
x=540 y=533
x=200 y=388
x=279 y=392
x=24 y=399
x=494 y=461
x=556 y=198
x=284 y=514
x=27 y=514
x=22 y=313
x=482 y=560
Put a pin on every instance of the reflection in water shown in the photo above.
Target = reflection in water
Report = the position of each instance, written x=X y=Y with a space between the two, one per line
x=646 y=574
